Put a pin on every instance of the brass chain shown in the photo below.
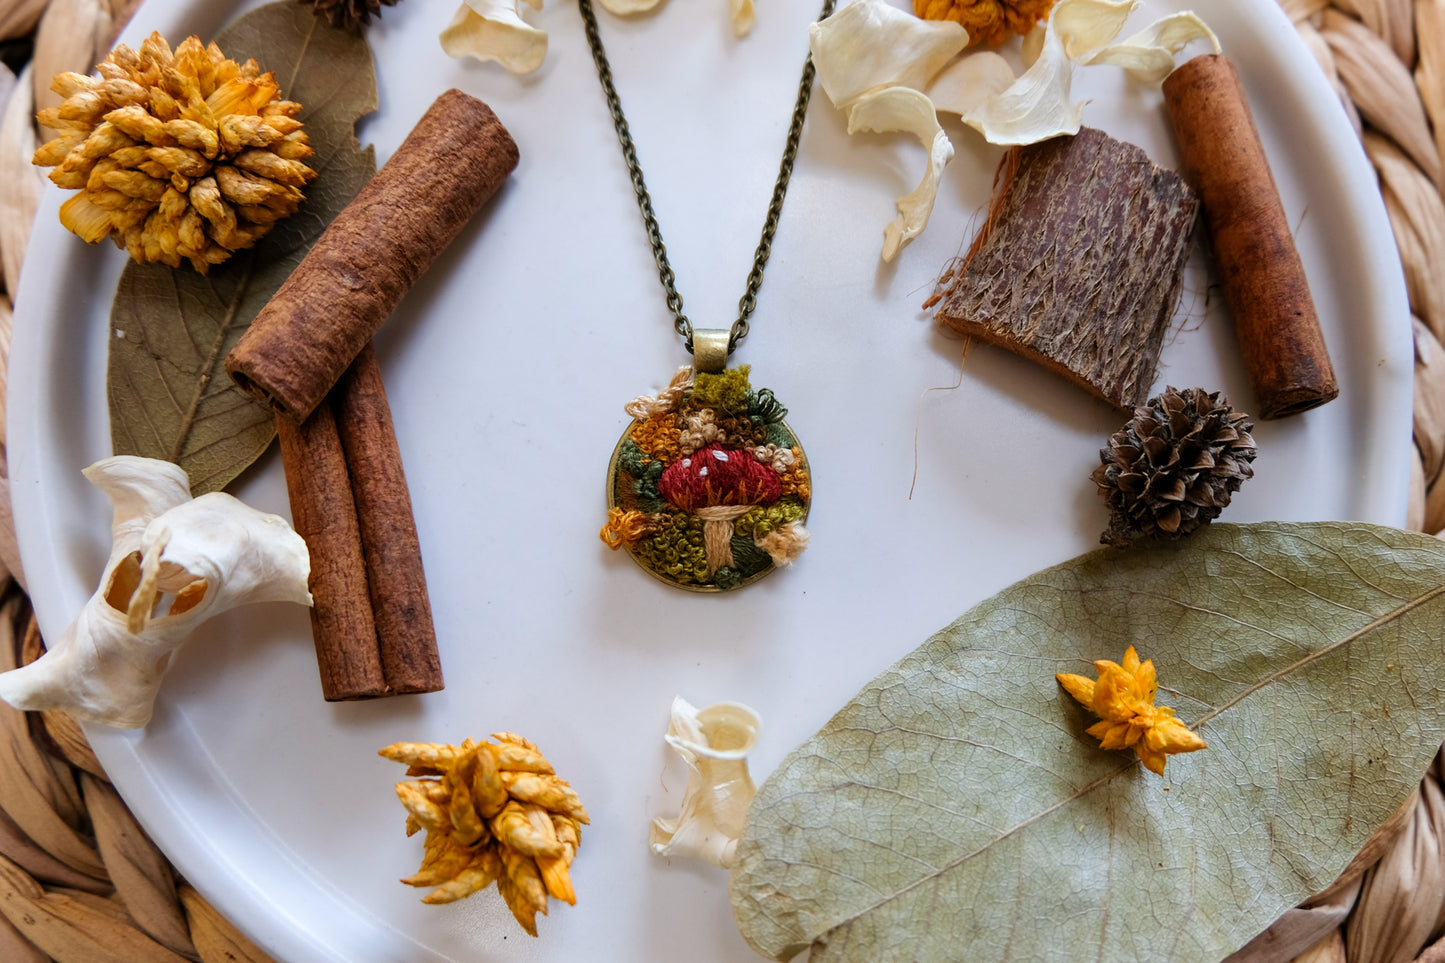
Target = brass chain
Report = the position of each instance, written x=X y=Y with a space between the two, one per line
x=749 y=300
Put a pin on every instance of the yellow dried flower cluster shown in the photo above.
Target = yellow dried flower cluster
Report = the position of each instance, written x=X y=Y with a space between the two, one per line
x=493 y=812
x=177 y=156
x=988 y=21
x=1123 y=698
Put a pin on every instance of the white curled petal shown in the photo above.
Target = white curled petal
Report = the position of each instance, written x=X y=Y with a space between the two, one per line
x=742 y=15
x=1036 y=106
x=871 y=43
x=208 y=555
x=714 y=743
x=623 y=8
x=970 y=82
x=1149 y=55
x=495 y=30
x=1086 y=25
x=909 y=111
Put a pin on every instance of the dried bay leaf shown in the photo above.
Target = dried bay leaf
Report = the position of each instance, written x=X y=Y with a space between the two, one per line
x=169 y=394
x=957 y=807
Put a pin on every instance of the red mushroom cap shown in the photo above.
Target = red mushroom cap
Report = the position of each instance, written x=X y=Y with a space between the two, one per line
x=719 y=476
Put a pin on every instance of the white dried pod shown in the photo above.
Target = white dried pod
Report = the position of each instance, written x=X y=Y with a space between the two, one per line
x=203 y=555
x=495 y=30
x=714 y=743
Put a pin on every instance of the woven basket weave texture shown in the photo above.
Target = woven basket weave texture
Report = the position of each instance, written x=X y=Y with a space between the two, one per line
x=79 y=880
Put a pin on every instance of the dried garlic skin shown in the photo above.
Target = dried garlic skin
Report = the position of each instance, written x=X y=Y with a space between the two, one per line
x=869 y=48
x=1123 y=698
x=493 y=30
x=210 y=553
x=714 y=743
x=493 y=813
x=176 y=156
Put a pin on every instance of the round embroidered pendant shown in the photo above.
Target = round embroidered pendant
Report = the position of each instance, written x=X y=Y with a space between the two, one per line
x=708 y=488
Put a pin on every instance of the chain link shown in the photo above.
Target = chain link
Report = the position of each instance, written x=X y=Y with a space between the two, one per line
x=749 y=300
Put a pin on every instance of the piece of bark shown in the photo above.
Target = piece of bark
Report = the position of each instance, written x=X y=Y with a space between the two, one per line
x=395 y=579
x=1079 y=264
x=1260 y=270
x=350 y=281
x=323 y=512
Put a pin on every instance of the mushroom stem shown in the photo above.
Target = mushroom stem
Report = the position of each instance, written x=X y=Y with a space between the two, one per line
x=717 y=533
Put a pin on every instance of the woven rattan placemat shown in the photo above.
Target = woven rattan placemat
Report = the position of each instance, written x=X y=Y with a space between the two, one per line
x=81 y=883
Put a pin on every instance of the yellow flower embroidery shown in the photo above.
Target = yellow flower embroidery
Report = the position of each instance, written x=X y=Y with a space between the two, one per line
x=1123 y=699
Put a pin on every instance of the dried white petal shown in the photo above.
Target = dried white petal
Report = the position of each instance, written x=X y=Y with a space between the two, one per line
x=1037 y=105
x=714 y=742
x=742 y=16
x=624 y=7
x=870 y=44
x=1086 y=25
x=907 y=110
x=208 y=554
x=495 y=30
x=969 y=83
x=1148 y=56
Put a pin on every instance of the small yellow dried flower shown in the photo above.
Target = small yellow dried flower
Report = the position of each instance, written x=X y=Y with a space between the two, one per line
x=181 y=155
x=991 y=21
x=493 y=813
x=1123 y=698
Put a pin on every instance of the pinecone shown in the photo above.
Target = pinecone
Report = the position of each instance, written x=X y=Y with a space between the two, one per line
x=1174 y=466
x=352 y=15
x=177 y=156
x=493 y=813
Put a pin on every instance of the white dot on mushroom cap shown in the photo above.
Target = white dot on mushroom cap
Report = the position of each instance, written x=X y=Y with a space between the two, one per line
x=687 y=463
x=703 y=472
x=720 y=455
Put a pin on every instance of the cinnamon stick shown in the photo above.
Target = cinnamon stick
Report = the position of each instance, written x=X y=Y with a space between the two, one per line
x=323 y=512
x=1260 y=271
x=396 y=583
x=351 y=280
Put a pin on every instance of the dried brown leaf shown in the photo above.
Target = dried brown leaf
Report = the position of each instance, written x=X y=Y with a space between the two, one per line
x=23 y=181
x=142 y=875
x=1417 y=217
x=1401 y=901
x=1382 y=88
x=169 y=394
x=216 y=939
x=74 y=926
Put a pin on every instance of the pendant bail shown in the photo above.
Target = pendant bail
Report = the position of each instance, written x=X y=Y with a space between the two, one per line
x=710 y=349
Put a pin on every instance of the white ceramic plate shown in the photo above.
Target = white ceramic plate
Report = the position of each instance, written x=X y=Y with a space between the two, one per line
x=508 y=367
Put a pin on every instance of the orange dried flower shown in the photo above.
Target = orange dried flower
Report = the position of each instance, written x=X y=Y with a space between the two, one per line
x=987 y=20
x=1123 y=698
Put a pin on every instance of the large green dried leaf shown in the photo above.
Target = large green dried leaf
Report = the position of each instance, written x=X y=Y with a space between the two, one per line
x=955 y=809
x=169 y=393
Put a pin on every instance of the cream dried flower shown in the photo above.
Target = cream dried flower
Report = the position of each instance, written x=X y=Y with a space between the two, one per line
x=177 y=156
x=204 y=555
x=714 y=743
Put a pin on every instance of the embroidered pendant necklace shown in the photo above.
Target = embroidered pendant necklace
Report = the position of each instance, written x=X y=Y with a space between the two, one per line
x=708 y=488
